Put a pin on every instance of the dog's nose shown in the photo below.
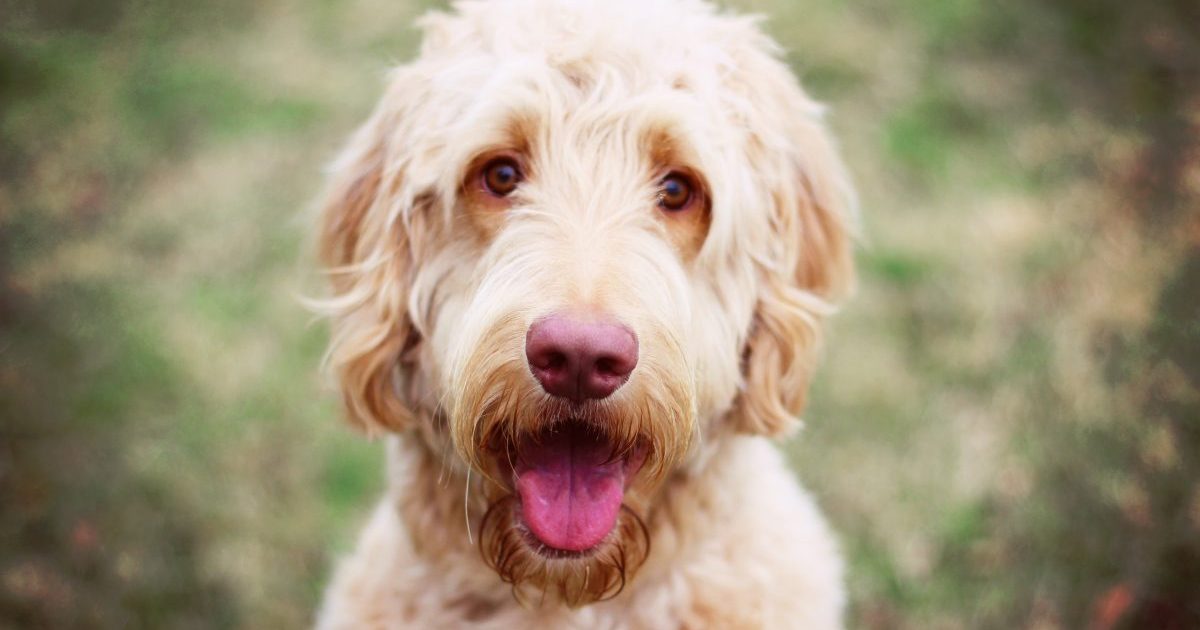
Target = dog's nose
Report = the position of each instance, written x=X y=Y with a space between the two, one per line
x=578 y=359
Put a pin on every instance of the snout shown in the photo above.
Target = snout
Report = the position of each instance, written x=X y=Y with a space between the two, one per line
x=580 y=359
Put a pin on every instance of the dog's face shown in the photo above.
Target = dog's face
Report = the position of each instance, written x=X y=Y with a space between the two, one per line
x=574 y=242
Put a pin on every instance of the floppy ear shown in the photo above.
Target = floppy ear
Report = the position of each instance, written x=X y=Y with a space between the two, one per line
x=366 y=242
x=809 y=266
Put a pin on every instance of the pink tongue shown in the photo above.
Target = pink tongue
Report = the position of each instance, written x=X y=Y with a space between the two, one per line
x=570 y=493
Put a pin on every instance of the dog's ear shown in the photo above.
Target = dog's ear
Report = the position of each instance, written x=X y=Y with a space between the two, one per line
x=367 y=235
x=808 y=266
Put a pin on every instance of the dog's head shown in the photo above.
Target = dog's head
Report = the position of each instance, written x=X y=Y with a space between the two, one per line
x=574 y=240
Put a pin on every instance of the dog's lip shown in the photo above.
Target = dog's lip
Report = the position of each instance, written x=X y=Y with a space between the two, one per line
x=548 y=552
x=505 y=450
x=508 y=456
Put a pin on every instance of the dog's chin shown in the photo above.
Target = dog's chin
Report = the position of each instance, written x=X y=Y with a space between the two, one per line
x=563 y=527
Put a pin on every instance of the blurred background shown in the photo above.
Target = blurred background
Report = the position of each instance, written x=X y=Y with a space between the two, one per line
x=1005 y=430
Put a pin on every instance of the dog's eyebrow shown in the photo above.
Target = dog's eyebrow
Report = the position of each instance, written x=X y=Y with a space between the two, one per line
x=511 y=130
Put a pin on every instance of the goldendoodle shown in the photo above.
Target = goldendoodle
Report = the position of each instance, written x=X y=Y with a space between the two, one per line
x=580 y=256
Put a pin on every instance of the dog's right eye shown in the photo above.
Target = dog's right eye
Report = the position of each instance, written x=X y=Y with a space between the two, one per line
x=501 y=176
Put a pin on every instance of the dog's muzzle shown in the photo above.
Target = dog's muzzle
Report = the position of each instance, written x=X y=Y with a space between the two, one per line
x=570 y=480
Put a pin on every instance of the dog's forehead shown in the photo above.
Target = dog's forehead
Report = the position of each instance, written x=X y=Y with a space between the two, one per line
x=584 y=78
x=672 y=68
x=648 y=42
x=572 y=25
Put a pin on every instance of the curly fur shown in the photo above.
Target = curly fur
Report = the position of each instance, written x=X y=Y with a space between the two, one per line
x=434 y=289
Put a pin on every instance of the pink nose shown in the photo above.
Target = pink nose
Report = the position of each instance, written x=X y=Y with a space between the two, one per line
x=578 y=359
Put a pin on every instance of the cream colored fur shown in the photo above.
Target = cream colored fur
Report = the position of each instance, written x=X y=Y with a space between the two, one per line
x=434 y=287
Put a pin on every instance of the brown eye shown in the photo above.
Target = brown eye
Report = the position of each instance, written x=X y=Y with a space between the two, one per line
x=501 y=176
x=675 y=192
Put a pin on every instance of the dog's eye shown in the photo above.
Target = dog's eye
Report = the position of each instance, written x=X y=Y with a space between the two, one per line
x=675 y=192
x=501 y=176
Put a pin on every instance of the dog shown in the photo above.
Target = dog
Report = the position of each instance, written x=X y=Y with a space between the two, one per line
x=580 y=255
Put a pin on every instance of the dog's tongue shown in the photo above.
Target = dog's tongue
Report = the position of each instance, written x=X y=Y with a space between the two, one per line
x=570 y=492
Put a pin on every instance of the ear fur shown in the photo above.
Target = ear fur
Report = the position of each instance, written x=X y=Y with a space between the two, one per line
x=366 y=234
x=812 y=216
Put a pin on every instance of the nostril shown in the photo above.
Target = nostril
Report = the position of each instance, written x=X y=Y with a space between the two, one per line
x=613 y=366
x=550 y=361
x=604 y=366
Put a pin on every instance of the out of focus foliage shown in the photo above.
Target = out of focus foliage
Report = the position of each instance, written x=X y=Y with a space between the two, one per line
x=1006 y=431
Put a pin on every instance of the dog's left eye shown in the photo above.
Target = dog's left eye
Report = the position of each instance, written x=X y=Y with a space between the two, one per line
x=675 y=192
x=501 y=176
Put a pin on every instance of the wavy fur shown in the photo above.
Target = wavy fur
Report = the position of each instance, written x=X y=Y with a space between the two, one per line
x=434 y=287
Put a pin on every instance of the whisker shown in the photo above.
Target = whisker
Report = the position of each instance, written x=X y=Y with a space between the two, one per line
x=467 y=506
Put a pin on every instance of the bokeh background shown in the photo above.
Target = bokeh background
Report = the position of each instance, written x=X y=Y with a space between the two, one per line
x=1005 y=431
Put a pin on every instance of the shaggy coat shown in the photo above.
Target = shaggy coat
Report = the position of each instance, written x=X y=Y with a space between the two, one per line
x=650 y=163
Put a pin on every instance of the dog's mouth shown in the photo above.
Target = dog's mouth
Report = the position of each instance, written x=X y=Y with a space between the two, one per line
x=571 y=479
